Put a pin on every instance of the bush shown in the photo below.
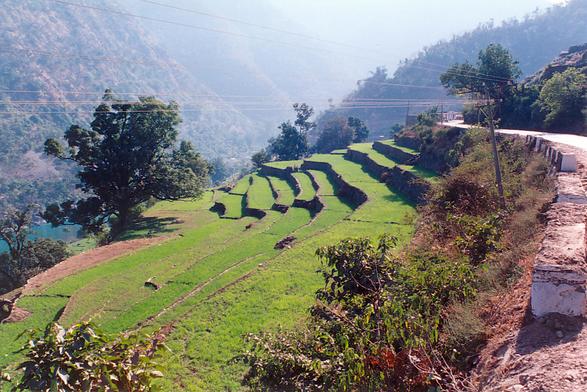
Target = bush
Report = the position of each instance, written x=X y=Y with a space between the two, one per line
x=373 y=316
x=80 y=358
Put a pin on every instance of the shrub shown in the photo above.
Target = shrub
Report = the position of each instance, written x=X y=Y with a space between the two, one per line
x=81 y=358
x=373 y=316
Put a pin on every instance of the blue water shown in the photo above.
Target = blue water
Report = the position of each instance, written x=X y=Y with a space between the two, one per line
x=63 y=233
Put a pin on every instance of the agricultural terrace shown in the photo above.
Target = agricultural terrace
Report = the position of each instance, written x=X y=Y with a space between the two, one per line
x=221 y=276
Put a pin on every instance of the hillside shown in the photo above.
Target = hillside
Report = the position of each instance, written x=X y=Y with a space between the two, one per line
x=533 y=41
x=58 y=60
x=267 y=65
x=239 y=260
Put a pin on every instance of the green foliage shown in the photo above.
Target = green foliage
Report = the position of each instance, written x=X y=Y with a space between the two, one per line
x=479 y=236
x=335 y=135
x=26 y=258
x=81 y=358
x=373 y=312
x=494 y=60
x=339 y=133
x=126 y=158
x=292 y=141
x=361 y=132
x=428 y=118
x=562 y=98
x=260 y=157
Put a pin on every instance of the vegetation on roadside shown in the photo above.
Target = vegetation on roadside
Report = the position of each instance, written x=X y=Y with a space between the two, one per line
x=389 y=320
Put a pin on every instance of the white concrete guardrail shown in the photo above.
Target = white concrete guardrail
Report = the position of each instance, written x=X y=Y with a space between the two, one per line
x=560 y=267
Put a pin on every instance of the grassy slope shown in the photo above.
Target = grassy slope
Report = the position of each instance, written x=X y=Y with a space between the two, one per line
x=259 y=193
x=285 y=192
x=307 y=190
x=229 y=279
x=210 y=333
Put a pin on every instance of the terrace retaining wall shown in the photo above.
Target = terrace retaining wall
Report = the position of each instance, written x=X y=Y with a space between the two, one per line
x=398 y=180
x=346 y=190
x=395 y=154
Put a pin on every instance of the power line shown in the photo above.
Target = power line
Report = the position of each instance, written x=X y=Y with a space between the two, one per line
x=21 y=112
x=246 y=23
x=213 y=30
x=295 y=34
x=448 y=66
x=107 y=59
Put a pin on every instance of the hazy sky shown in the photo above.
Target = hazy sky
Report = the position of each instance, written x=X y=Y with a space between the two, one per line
x=397 y=29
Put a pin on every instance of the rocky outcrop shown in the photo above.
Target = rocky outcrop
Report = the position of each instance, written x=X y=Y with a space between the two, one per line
x=398 y=180
x=345 y=190
x=575 y=57
x=395 y=154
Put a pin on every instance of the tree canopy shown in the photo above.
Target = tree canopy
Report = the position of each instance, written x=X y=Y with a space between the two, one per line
x=26 y=257
x=292 y=141
x=494 y=72
x=361 y=132
x=336 y=134
x=127 y=156
x=562 y=99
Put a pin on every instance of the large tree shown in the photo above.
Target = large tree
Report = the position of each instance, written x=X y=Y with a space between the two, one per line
x=361 y=132
x=292 y=141
x=489 y=82
x=562 y=99
x=336 y=134
x=127 y=156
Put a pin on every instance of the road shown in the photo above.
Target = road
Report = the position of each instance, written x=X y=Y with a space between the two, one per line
x=577 y=141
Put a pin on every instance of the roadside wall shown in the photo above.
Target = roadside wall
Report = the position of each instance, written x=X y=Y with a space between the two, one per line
x=560 y=267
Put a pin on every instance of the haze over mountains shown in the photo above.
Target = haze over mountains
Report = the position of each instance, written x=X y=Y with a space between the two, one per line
x=235 y=81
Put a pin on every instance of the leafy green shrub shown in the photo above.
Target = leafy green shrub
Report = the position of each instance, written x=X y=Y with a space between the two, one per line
x=80 y=358
x=373 y=316
x=479 y=236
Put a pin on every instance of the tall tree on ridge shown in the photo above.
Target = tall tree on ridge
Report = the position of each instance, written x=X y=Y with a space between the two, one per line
x=487 y=82
x=292 y=142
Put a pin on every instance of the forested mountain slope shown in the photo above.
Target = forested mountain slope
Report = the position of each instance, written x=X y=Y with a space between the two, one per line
x=255 y=56
x=534 y=41
x=58 y=59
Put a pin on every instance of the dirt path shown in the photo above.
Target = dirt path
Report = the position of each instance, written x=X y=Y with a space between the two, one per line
x=86 y=260
x=529 y=354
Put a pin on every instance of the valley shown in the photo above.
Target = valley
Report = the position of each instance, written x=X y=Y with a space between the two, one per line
x=220 y=276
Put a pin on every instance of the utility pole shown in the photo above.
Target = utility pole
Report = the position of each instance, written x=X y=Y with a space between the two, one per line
x=408 y=114
x=441 y=113
x=490 y=114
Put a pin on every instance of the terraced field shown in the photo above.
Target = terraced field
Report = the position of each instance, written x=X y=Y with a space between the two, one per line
x=385 y=161
x=219 y=273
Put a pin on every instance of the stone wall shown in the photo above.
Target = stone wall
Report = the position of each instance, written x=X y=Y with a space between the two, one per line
x=560 y=267
x=355 y=195
x=395 y=154
x=398 y=180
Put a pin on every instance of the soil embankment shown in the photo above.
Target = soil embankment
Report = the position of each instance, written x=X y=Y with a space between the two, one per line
x=547 y=350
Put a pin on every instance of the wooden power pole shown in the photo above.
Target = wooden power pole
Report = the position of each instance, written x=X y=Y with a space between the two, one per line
x=490 y=115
